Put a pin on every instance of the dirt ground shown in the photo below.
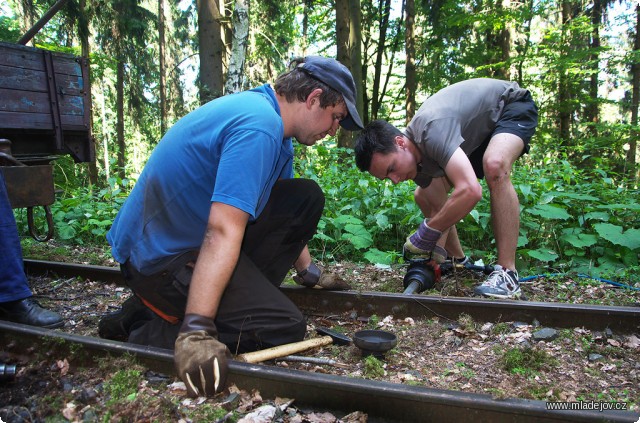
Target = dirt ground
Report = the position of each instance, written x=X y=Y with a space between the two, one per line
x=502 y=359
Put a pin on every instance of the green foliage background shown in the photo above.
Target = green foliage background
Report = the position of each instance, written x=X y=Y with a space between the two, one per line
x=579 y=220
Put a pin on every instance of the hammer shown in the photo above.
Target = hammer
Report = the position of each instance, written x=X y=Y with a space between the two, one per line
x=330 y=337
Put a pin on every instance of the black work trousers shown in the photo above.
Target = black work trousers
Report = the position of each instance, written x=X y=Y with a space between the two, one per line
x=253 y=312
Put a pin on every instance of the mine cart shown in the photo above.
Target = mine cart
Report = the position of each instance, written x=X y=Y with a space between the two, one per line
x=44 y=113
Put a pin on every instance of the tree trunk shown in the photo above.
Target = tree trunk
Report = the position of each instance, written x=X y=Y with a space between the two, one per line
x=27 y=15
x=238 y=48
x=308 y=4
x=349 y=53
x=105 y=132
x=355 y=48
x=410 y=65
x=591 y=110
x=83 y=31
x=523 y=51
x=635 y=103
x=211 y=51
x=504 y=41
x=563 y=83
x=161 y=70
x=120 y=118
x=174 y=92
x=345 y=138
x=342 y=32
x=395 y=47
x=384 y=11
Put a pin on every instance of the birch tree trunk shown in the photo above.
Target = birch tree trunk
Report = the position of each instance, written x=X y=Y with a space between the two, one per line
x=635 y=103
x=238 y=47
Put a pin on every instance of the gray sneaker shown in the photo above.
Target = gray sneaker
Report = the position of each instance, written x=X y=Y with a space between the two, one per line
x=501 y=283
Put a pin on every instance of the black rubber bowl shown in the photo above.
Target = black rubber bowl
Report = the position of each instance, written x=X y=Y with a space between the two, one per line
x=374 y=342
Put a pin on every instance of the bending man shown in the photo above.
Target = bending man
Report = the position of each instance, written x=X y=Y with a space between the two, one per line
x=469 y=130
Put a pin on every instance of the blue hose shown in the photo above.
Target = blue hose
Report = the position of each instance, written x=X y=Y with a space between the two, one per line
x=580 y=275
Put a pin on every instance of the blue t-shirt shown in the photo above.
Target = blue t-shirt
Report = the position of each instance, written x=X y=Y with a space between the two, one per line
x=231 y=150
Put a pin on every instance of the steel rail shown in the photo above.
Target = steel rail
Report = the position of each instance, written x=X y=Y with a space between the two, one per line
x=382 y=401
x=312 y=301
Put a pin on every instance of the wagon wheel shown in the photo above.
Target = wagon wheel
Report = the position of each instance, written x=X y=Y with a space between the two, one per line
x=32 y=229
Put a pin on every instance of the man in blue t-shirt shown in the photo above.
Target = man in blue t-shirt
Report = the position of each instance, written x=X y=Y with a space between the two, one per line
x=216 y=220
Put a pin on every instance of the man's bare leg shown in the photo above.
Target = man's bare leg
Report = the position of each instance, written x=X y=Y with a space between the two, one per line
x=501 y=153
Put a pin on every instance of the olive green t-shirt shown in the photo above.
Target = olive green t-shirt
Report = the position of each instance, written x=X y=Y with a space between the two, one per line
x=461 y=115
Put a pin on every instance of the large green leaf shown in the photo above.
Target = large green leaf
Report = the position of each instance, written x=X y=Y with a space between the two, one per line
x=632 y=206
x=522 y=240
x=577 y=196
x=549 y=211
x=543 y=254
x=604 y=216
x=66 y=232
x=614 y=234
x=344 y=219
x=580 y=240
x=376 y=256
x=358 y=236
x=382 y=221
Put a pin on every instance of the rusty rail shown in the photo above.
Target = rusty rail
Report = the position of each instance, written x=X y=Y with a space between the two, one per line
x=318 y=302
x=382 y=401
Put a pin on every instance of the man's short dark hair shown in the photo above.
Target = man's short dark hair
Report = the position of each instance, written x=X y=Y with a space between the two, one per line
x=377 y=137
x=295 y=84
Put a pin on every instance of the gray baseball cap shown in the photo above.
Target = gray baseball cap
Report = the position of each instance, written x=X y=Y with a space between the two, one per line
x=337 y=76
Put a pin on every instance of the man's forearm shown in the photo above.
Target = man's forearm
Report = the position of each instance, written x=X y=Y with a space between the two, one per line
x=211 y=275
x=217 y=259
x=459 y=204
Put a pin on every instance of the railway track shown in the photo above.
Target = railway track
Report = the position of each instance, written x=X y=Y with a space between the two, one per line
x=382 y=401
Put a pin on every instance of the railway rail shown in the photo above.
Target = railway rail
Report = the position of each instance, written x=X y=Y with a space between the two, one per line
x=382 y=401
x=318 y=302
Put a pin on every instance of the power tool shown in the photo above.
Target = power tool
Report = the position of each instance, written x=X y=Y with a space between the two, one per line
x=424 y=273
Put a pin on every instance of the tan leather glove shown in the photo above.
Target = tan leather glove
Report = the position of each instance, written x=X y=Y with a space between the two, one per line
x=439 y=254
x=315 y=277
x=202 y=362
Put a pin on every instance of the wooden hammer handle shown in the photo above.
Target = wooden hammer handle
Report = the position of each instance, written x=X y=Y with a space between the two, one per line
x=283 y=350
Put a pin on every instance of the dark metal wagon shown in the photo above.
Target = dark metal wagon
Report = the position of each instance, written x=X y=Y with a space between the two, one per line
x=45 y=112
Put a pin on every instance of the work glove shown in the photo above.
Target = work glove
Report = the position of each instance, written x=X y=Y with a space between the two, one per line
x=422 y=244
x=200 y=359
x=314 y=277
